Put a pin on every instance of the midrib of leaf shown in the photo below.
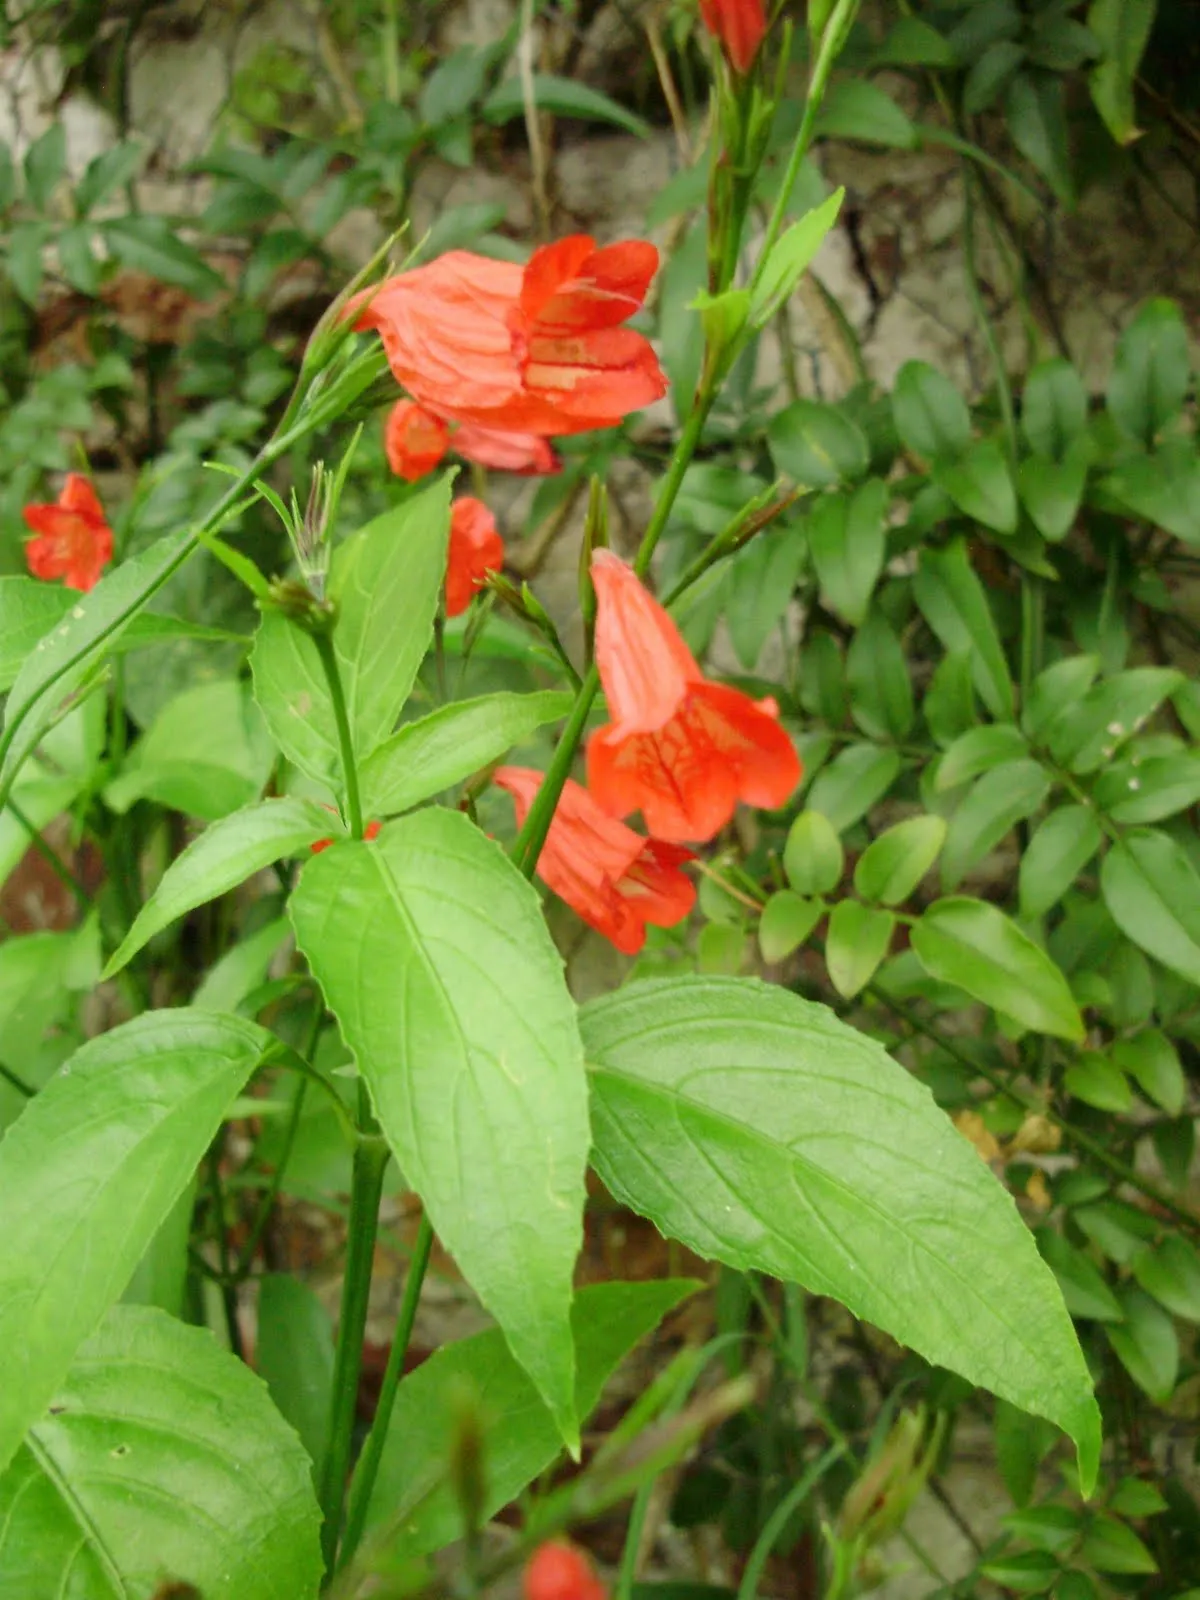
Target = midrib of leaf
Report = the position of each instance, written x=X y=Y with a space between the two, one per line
x=91 y=1536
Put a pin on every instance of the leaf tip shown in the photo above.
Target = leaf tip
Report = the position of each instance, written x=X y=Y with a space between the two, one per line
x=1088 y=1439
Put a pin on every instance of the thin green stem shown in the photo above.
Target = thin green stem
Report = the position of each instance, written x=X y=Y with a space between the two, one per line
x=778 y=1520
x=333 y=677
x=229 y=1295
x=370 y=1160
x=15 y=1081
x=367 y=1469
x=51 y=856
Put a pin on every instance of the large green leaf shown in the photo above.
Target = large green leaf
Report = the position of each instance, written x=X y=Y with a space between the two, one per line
x=159 y=1461
x=434 y=956
x=765 y=1133
x=386 y=581
x=89 y=1171
x=972 y=944
x=28 y=611
x=442 y=749
x=1153 y=892
x=62 y=660
x=414 y=1499
x=224 y=855
x=953 y=603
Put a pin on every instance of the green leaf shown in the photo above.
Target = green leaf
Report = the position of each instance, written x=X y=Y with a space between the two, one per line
x=857 y=109
x=8 y=177
x=29 y=609
x=414 y=1502
x=813 y=857
x=26 y=244
x=846 y=539
x=1117 y=1229
x=1047 y=1527
x=973 y=945
x=159 y=1462
x=949 y=705
x=816 y=445
x=881 y=697
x=1096 y=1079
x=386 y=581
x=1151 y=371
x=1152 y=890
x=931 y=416
x=1051 y=492
x=565 y=98
x=990 y=75
x=1022 y=1444
x=1152 y=1061
x=149 y=244
x=787 y=920
x=997 y=802
x=294 y=1355
x=1037 y=123
x=822 y=678
x=1162 y=488
x=1054 y=408
x=910 y=42
x=980 y=485
x=224 y=855
x=1083 y=1286
x=1109 y=1546
x=893 y=864
x=1149 y=790
x=764 y=1133
x=206 y=754
x=1133 y=1497
x=1146 y=1344
x=1030 y=1572
x=440 y=750
x=759 y=586
x=953 y=603
x=790 y=258
x=1075 y=1586
x=1055 y=690
x=45 y=165
x=79 y=265
x=980 y=750
x=1122 y=28
x=1171 y=1273
x=87 y=1173
x=1061 y=846
x=61 y=661
x=853 y=782
x=1089 y=733
x=1175 y=1145
x=857 y=941
x=111 y=169
x=433 y=954
x=455 y=84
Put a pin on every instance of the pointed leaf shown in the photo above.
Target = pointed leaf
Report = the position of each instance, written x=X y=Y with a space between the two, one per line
x=980 y=485
x=853 y=782
x=88 y=1172
x=1152 y=1061
x=434 y=956
x=931 y=416
x=1054 y=408
x=1122 y=28
x=764 y=1133
x=1146 y=1344
x=1171 y=1273
x=786 y=922
x=881 y=697
x=892 y=865
x=161 y=1462
x=997 y=802
x=1061 y=846
x=1151 y=371
x=953 y=602
x=846 y=539
x=1153 y=892
x=855 y=944
x=294 y=1355
x=1051 y=492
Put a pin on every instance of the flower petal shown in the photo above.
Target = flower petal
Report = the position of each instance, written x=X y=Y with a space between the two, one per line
x=645 y=666
x=79 y=495
x=414 y=439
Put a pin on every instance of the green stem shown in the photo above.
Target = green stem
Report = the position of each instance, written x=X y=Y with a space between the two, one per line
x=832 y=40
x=229 y=1295
x=51 y=856
x=367 y=1469
x=370 y=1160
x=778 y=1520
x=333 y=677
x=16 y=1082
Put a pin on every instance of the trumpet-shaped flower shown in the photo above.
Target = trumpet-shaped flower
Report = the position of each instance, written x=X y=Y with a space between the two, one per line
x=72 y=538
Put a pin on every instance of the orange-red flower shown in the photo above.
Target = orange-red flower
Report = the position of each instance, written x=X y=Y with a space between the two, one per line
x=558 y=1571
x=476 y=549
x=680 y=749
x=416 y=440
x=614 y=878
x=73 y=540
x=739 y=25
x=533 y=349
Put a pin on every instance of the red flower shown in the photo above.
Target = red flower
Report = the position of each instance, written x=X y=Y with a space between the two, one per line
x=371 y=831
x=558 y=1571
x=739 y=25
x=614 y=878
x=679 y=748
x=537 y=349
x=475 y=550
x=416 y=440
x=73 y=539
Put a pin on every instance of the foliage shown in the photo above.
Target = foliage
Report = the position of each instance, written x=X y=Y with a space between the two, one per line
x=978 y=916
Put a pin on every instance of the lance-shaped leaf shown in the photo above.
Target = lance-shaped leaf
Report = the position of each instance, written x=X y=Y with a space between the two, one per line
x=434 y=956
x=761 y=1131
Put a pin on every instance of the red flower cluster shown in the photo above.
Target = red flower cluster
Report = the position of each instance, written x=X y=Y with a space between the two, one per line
x=739 y=25
x=416 y=440
x=476 y=549
x=536 y=349
x=558 y=1571
x=73 y=539
x=680 y=749
x=614 y=878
